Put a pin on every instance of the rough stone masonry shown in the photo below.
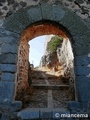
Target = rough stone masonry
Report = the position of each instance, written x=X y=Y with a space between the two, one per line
x=70 y=16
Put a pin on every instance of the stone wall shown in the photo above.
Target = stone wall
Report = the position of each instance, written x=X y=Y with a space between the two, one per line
x=16 y=23
x=22 y=78
x=80 y=7
x=8 y=68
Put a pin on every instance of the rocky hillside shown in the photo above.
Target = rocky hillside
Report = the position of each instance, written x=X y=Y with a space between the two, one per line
x=50 y=58
x=58 y=52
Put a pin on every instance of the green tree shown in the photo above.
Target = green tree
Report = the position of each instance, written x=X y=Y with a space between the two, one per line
x=55 y=42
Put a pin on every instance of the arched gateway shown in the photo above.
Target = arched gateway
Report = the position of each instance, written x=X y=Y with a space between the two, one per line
x=38 y=20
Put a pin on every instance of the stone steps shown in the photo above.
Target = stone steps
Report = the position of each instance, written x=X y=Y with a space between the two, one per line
x=50 y=87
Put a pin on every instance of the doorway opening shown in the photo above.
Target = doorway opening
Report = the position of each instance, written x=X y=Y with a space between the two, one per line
x=50 y=84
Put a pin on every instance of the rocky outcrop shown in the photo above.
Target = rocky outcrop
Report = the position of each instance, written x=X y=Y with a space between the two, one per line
x=49 y=60
x=62 y=56
x=65 y=57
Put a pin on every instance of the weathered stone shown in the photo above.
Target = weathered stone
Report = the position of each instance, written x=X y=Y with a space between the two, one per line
x=81 y=50
x=34 y=13
x=11 y=106
x=9 y=40
x=87 y=21
x=11 y=2
x=6 y=33
x=81 y=60
x=9 y=13
x=8 y=58
x=28 y=113
x=58 y=12
x=58 y=113
x=23 y=4
x=1 y=13
x=16 y=105
x=13 y=25
x=74 y=105
x=4 y=117
x=16 y=5
x=78 y=27
x=8 y=48
x=83 y=86
x=69 y=19
x=8 y=68
x=81 y=40
x=23 y=18
x=46 y=10
x=71 y=22
x=8 y=77
x=7 y=91
x=79 y=1
x=5 y=8
x=81 y=70
x=46 y=113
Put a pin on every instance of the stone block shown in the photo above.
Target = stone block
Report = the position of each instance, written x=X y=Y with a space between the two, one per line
x=7 y=91
x=82 y=70
x=13 y=25
x=8 y=68
x=34 y=13
x=5 y=33
x=69 y=19
x=8 y=77
x=23 y=17
x=74 y=105
x=46 y=113
x=8 y=48
x=28 y=114
x=81 y=40
x=16 y=105
x=58 y=12
x=81 y=50
x=83 y=88
x=9 y=40
x=79 y=27
x=11 y=106
x=87 y=21
x=81 y=60
x=60 y=113
x=8 y=58
x=46 y=10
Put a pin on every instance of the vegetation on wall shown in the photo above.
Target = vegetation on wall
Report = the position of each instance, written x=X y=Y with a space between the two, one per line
x=55 y=42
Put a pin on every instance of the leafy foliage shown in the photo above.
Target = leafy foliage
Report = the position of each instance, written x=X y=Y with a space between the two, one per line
x=54 y=43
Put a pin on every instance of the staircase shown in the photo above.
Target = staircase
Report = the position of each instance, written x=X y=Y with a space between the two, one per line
x=49 y=98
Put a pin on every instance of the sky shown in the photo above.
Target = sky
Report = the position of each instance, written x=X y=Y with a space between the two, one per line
x=36 y=50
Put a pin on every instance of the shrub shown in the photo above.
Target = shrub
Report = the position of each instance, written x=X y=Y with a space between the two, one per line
x=55 y=42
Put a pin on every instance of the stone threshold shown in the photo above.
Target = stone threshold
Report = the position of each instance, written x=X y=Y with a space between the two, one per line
x=42 y=113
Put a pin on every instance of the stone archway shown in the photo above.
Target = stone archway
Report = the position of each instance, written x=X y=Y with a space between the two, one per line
x=32 y=31
x=10 y=34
